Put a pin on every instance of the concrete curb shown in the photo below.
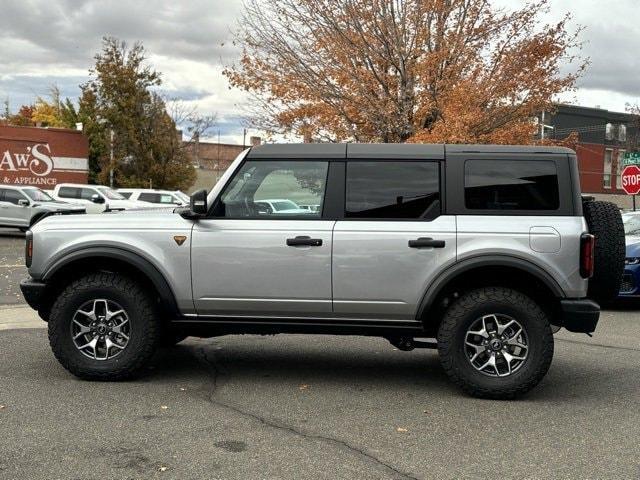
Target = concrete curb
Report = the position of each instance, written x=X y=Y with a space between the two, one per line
x=19 y=316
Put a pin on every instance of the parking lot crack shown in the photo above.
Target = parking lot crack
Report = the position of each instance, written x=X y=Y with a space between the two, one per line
x=600 y=345
x=214 y=373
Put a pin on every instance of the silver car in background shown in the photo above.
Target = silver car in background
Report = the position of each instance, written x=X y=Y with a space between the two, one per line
x=23 y=206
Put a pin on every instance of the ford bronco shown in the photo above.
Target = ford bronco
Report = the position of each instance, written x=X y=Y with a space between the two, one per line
x=482 y=252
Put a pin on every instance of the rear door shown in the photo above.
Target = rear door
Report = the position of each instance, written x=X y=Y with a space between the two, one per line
x=393 y=238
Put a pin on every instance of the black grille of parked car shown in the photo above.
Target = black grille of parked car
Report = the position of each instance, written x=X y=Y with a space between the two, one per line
x=627 y=283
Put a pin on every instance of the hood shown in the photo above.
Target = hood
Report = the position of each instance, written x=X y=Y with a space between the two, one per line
x=57 y=206
x=148 y=210
x=633 y=246
x=126 y=204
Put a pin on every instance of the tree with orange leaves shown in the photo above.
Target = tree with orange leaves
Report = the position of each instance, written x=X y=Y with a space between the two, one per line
x=459 y=71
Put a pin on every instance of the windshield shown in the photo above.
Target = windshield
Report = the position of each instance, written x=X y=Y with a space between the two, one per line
x=631 y=224
x=38 y=195
x=284 y=205
x=110 y=194
x=182 y=196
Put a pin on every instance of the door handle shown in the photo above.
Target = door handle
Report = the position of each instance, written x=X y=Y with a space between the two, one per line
x=424 y=242
x=304 y=241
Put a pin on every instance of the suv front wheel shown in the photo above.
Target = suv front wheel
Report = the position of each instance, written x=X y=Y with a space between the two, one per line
x=495 y=343
x=103 y=327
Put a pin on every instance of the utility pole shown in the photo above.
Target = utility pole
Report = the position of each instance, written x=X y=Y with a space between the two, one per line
x=244 y=138
x=111 y=157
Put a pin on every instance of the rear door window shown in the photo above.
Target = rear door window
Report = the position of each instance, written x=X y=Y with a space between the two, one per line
x=511 y=185
x=69 y=192
x=392 y=190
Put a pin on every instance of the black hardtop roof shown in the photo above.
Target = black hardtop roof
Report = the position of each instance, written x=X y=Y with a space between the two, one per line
x=387 y=150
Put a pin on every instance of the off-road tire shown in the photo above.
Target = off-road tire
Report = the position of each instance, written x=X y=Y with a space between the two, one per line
x=144 y=335
x=484 y=301
x=605 y=223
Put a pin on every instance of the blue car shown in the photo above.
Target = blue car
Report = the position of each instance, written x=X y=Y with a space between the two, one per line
x=630 y=287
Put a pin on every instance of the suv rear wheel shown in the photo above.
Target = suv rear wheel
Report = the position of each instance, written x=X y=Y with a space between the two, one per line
x=104 y=327
x=495 y=343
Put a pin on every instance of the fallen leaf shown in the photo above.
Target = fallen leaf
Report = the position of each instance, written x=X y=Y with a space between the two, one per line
x=182 y=389
x=2 y=407
x=162 y=468
x=163 y=407
x=400 y=429
x=303 y=386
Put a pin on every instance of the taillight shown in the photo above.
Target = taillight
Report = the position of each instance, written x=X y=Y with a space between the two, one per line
x=28 y=250
x=587 y=245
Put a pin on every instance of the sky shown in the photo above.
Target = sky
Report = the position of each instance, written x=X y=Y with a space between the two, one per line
x=45 y=42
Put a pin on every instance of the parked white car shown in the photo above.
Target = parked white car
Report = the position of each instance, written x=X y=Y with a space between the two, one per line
x=95 y=198
x=282 y=206
x=157 y=197
x=23 y=206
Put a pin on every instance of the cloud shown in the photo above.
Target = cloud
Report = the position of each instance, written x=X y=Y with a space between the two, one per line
x=54 y=41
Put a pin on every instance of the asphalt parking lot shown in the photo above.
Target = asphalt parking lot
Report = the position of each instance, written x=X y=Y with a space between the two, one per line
x=293 y=406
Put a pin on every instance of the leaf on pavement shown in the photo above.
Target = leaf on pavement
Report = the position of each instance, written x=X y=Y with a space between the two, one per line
x=400 y=429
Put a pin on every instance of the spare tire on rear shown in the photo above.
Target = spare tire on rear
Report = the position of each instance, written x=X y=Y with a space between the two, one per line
x=605 y=223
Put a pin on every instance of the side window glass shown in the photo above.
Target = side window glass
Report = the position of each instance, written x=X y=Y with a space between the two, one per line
x=148 y=197
x=511 y=185
x=69 y=192
x=392 y=190
x=13 y=196
x=126 y=195
x=2 y=194
x=275 y=189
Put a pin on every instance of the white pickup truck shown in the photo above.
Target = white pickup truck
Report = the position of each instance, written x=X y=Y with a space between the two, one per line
x=95 y=198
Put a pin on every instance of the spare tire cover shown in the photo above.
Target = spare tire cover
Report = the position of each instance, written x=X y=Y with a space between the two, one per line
x=605 y=223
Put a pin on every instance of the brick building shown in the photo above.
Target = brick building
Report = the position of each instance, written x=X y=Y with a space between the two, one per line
x=212 y=159
x=42 y=157
x=604 y=137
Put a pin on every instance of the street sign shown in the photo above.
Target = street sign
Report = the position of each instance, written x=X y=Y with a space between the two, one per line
x=630 y=177
x=631 y=158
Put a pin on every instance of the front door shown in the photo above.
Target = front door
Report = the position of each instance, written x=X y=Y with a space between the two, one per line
x=264 y=251
x=392 y=240
x=11 y=211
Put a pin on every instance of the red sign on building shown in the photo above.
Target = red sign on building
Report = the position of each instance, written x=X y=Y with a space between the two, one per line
x=42 y=157
x=630 y=178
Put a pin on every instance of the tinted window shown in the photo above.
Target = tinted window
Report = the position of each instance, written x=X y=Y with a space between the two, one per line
x=275 y=189
x=69 y=192
x=12 y=196
x=156 y=198
x=511 y=185
x=149 y=197
x=392 y=189
x=126 y=195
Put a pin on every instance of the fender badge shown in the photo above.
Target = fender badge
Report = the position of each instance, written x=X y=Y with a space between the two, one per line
x=179 y=239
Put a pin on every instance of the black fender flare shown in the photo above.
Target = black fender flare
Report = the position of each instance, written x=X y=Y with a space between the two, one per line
x=451 y=272
x=165 y=292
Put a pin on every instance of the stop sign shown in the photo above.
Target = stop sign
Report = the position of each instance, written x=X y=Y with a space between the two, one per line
x=630 y=177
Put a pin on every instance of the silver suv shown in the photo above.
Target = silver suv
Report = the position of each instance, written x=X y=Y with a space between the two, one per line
x=478 y=251
x=22 y=206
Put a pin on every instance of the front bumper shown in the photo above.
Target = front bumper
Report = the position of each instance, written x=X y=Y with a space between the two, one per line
x=34 y=292
x=579 y=315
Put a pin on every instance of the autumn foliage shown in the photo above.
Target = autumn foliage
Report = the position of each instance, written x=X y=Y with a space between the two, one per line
x=459 y=71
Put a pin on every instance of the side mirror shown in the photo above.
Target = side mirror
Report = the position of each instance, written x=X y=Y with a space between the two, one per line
x=198 y=203
x=95 y=198
x=23 y=203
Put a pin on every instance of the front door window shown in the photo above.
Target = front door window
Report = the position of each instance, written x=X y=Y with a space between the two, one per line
x=275 y=189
